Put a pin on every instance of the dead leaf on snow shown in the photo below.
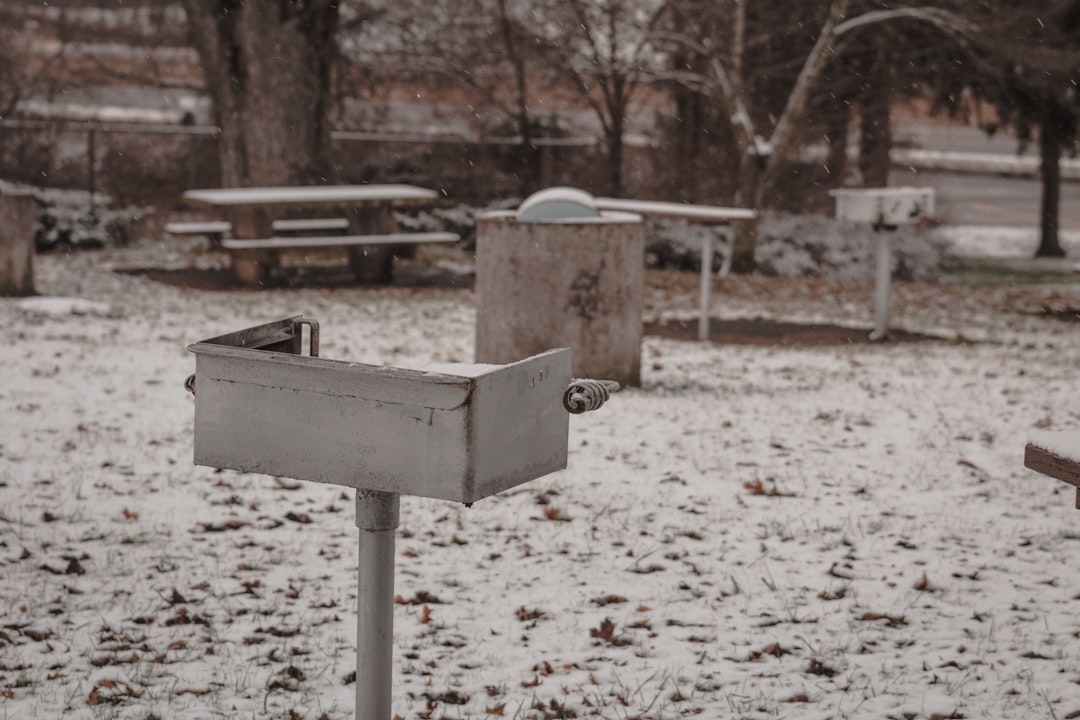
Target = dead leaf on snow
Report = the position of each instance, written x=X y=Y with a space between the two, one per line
x=891 y=620
x=816 y=667
x=121 y=692
x=183 y=617
x=606 y=632
x=773 y=649
x=422 y=597
x=37 y=635
x=210 y=527
x=757 y=487
x=526 y=615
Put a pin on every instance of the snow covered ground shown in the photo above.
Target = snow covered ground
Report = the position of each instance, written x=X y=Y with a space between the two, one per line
x=757 y=532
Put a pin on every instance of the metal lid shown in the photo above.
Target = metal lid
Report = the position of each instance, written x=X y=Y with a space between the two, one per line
x=557 y=203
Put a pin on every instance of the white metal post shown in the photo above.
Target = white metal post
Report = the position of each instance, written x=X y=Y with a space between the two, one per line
x=377 y=516
x=881 y=284
x=706 y=285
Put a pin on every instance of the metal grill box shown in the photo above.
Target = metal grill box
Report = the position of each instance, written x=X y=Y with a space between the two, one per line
x=456 y=432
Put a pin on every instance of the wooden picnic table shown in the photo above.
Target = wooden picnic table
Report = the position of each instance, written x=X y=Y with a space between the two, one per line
x=372 y=231
x=1056 y=455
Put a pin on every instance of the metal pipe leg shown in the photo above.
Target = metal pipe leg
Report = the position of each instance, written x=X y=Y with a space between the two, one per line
x=706 y=287
x=377 y=516
x=881 y=286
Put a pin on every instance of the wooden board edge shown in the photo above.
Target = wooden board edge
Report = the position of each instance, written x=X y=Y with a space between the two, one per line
x=1047 y=463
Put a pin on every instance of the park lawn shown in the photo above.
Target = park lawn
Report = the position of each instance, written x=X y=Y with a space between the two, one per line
x=759 y=531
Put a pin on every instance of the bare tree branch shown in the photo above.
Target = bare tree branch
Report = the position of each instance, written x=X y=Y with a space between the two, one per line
x=800 y=93
x=946 y=21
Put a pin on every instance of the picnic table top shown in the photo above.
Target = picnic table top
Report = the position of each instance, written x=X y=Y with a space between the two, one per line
x=1063 y=443
x=308 y=195
x=705 y=213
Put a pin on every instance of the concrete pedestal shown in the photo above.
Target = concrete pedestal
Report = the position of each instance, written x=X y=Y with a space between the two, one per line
x=17 y=244
x=573 y=283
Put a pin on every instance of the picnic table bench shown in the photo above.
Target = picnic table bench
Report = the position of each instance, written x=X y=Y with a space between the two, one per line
x=216 y=230
x=1056 y=455
x=371 y=233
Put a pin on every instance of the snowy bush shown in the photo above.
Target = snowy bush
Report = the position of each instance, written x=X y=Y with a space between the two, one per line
x=788 y=245
x=677 y=244
x=799 y=246
x=817 y=246
x=460 y=220
x=61 y=223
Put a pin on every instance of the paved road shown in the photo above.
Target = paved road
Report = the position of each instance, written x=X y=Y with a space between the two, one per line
x=981 y=199
x=958 y=138
x=991 y=200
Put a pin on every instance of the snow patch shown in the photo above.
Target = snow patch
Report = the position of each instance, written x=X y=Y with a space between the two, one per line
x=59 y=306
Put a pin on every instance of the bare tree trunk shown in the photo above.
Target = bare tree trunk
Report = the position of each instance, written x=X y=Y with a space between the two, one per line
x=876 y=129
x=615 y=155
x=750 y=194
x=529 y=179
x=837 y=135
x=268 y=69
x=686 y=145
x=1050 y=170
x=758 y=158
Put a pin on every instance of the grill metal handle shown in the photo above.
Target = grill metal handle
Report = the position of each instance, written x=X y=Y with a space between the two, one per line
x=584 y=394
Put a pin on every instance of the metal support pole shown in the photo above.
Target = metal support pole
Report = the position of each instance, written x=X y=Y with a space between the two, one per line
x=881 y=285
x=706 y=286
x=377 y=518
x=91 y=161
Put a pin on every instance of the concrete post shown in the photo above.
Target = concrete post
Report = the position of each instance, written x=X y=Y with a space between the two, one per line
x=574 y=283
x=17 y=244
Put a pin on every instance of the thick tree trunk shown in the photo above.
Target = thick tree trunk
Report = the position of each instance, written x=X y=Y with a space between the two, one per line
x=615 y=156
x=875 y=126
x=749 y=194
x=1050 y=170
x=268 y=68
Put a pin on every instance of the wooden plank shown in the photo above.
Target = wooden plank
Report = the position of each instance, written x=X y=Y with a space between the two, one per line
x=288 y=243
x=1052 y=465
x=1044 y=461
